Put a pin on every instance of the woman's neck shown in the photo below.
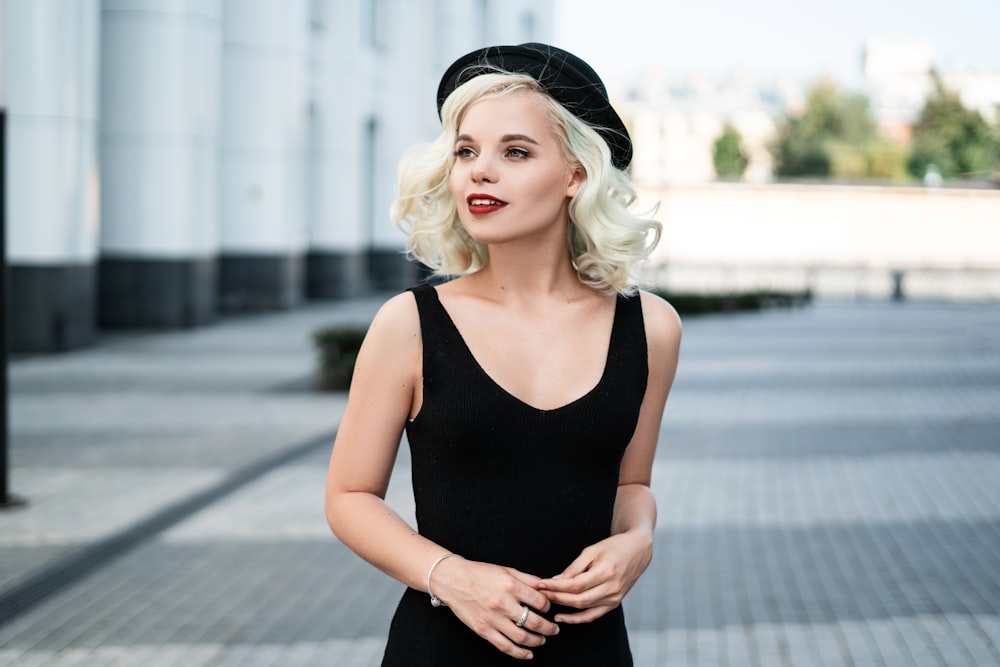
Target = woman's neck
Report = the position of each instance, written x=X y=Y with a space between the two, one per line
x=529 y=275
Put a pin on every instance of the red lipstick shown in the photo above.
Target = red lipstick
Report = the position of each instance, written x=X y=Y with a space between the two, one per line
x=480 y=204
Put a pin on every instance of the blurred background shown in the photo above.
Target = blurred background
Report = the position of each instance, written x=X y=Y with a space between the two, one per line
x=827 y=474
x=168 y=161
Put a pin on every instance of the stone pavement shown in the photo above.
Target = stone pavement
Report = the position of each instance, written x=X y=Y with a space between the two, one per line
x=827 y=482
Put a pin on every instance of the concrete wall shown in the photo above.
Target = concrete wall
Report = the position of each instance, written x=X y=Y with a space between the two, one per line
x=724 y=236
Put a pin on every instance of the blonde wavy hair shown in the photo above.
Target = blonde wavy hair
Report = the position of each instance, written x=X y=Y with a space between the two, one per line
x=606 y=242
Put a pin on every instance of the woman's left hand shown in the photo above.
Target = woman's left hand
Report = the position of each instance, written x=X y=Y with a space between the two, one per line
x=597 y=581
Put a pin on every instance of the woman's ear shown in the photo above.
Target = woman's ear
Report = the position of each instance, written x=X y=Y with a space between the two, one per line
x=577 y=176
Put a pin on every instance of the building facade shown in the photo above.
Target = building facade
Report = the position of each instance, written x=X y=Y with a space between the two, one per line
x=898 y=78
x=168 y=160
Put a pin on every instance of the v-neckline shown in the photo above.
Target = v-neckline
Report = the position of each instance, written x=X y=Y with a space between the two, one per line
x=506 y=392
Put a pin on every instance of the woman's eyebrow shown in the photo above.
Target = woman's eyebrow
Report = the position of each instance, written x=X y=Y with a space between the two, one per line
x=505 y=139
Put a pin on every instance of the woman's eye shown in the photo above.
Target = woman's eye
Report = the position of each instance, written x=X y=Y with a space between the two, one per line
x=464 y=153
x=517 y=152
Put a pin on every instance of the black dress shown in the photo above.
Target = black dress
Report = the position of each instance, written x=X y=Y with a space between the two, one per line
x=497 y=480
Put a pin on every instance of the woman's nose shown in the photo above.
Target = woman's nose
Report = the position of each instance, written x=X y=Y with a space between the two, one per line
x=483 y=170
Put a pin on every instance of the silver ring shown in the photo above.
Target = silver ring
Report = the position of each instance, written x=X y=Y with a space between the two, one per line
x=524 y=616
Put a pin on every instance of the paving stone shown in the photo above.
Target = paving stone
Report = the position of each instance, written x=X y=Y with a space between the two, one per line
x=825 y=482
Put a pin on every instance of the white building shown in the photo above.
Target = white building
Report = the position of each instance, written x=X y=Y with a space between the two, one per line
x=167 y=159
x=675 y=121
x=898 y=79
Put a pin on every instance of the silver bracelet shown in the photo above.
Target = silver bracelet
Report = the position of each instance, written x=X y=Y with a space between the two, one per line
x=435 y=600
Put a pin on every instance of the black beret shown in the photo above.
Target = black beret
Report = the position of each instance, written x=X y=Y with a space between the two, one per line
x=567 y=78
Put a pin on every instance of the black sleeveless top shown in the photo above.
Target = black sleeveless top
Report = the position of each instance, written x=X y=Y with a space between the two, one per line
x=500 y=481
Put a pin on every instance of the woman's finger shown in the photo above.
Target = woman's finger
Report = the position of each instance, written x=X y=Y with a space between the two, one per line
x=537 y=624
x=572 y=584
x=504 y=643
x=530 y=594
x=517 y=641
x=585 y=616
x=601 y=594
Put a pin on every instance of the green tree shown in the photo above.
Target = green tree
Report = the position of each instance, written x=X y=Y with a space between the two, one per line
x=834 y=136
x=727 y=153
x=953 y=138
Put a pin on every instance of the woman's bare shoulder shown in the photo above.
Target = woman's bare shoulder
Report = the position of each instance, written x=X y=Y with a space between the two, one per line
x=661 y=317
x=396 y=324
x=663 y=341
x=399 y=309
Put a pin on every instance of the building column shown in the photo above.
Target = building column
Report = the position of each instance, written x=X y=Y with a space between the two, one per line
x=337 y=260
x=159 y=162
x=265 y=124
x=50 y=57
x=401 y=82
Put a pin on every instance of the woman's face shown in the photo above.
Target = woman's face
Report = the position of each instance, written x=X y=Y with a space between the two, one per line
x=510 y=179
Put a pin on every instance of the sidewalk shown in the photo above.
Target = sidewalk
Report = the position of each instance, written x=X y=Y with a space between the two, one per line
x=827 y=485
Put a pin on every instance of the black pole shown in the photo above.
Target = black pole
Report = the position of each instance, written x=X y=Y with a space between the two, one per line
x=3 y=308
x=6 y=499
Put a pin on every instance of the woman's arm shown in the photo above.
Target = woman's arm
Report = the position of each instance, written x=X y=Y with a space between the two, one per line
x=385 y=391
x=598 y=580
x=380 y=400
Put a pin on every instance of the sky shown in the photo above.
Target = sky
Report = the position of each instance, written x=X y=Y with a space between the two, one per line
x=804 y=38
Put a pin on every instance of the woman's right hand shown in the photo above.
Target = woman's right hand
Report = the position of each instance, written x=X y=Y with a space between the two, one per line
x=490 y=600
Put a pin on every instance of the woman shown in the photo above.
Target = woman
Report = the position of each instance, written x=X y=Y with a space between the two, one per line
x=531 y=387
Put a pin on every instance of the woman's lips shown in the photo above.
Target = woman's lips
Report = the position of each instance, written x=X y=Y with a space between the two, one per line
x=483 y=204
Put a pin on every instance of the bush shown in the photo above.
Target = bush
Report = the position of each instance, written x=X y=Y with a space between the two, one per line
x=338 y=351
x=687 y=303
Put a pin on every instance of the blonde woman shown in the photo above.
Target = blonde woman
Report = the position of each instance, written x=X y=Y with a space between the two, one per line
x=531 y=384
